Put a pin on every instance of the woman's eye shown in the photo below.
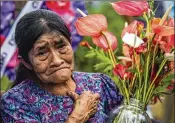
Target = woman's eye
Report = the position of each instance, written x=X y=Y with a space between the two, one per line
x=60 y=45
x=42 y=53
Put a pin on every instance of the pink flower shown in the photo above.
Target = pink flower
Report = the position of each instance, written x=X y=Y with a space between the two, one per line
x=101 y=41
x=133 y=27
x=165 y=34
x=95 y=25
x=167 y=29
x=130 y=8
x=91 y=25
x=162 y=30
x=120 y=71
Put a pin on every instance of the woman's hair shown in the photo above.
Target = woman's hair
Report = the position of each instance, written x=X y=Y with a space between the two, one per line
x=29 y=28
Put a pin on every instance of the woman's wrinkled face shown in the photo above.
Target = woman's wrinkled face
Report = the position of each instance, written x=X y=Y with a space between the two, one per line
x=52 y=58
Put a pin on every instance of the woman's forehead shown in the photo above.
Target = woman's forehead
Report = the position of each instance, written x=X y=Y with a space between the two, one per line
x=50 y=37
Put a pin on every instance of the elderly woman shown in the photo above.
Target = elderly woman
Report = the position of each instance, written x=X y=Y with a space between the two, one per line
x=48 y=90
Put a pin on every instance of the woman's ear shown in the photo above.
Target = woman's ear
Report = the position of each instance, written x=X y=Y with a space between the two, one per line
x=27 y=65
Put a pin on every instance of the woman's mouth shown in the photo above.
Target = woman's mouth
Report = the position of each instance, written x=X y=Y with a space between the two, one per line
x=53 y=70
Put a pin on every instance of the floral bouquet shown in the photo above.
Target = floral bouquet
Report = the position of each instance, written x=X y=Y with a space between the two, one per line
x=145 y=68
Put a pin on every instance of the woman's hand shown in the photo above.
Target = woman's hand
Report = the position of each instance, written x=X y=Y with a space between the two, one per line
x=85 y=106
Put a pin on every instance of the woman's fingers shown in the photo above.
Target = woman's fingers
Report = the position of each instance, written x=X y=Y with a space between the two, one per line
x=97 y=96
x=86 y=104
x=74 y=95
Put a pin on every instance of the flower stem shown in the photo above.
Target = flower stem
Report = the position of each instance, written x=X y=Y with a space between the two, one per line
x=132 y=83
x=146 y=74
x=126 y=91
x=147 y=22
x=110 y=51
x=152 y=83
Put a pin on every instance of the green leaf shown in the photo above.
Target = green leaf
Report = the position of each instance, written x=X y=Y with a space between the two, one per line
x=143 y=33
x=132 y=70
x=102 y=65
x=155 y=10
x=108 y=68
x=162 y=93
x=101 y=52
x=162 y=88
x=90 y=54
x=102 y=56
x=168 y=78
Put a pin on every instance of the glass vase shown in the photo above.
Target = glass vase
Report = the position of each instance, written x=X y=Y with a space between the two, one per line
x=134 y=112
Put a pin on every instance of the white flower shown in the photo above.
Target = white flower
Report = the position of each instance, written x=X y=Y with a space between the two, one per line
x=132 y=40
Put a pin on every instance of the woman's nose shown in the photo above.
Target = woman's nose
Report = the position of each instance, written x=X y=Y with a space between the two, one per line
x=56 y=60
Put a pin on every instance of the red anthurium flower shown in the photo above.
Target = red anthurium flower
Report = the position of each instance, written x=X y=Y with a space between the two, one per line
x=130 y=8
x=91 y=25
x=101 y=41
x=133 y=27
x=120 y=71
